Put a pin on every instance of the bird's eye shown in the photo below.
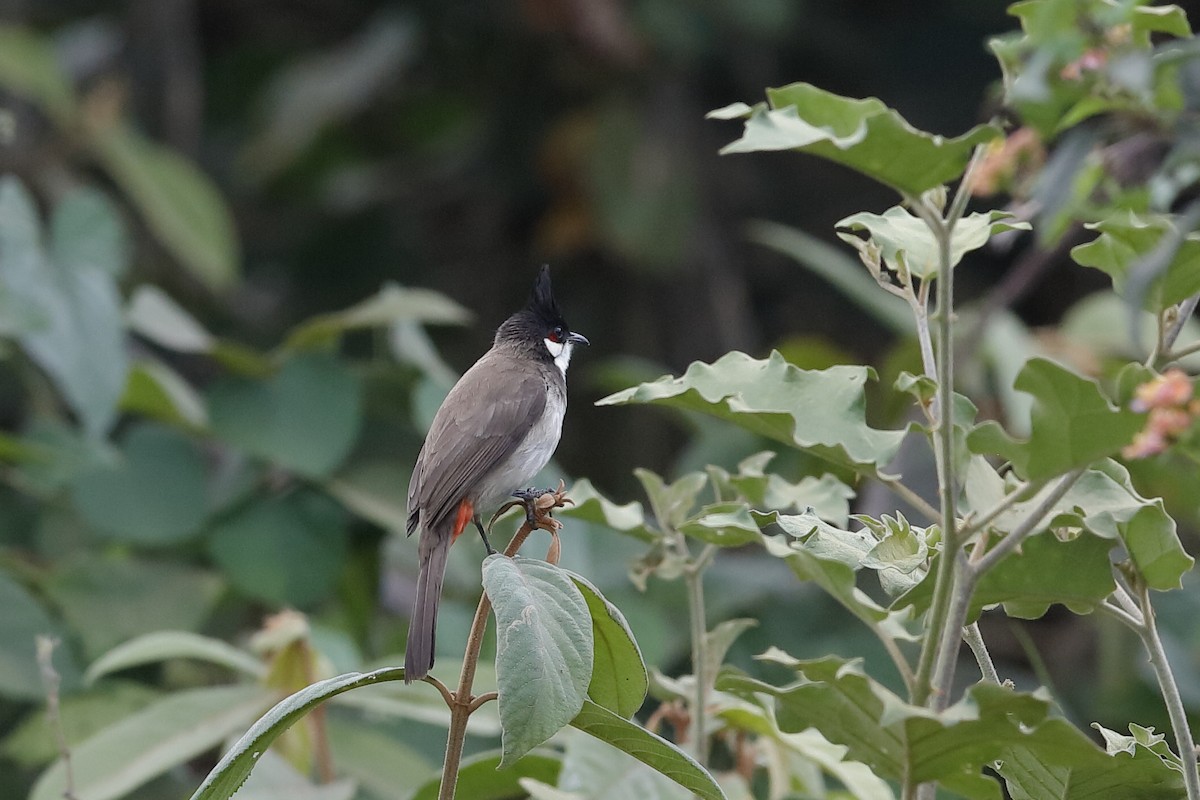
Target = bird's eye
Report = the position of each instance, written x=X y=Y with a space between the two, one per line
x=557 y=334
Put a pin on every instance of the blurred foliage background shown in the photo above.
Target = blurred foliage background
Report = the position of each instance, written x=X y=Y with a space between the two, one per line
x=226 y=207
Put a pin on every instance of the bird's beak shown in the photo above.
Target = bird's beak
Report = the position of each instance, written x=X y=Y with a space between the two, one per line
x=577 y=338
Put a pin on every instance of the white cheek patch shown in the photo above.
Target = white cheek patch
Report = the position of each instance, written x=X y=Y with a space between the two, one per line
x=560 y=352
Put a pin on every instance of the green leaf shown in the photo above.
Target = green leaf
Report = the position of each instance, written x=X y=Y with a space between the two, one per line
x=393 y=303
x=591 y=506
x=369 y=490
x=156 y=493
x=33 y=744
x=720 y=639
x=722 y=524
x=828 y=557
x=1067 y=765
x=619 y=681
x=144 y=745
x=650 y=749
x=30 y=68
x=151 y=648
x=22 y=622
x=231 y=771
x=544 y=649
x=86 y=232
x=381 y=760
x=306 y=418
x=78 y=339
x=156 y=391
x=180 y=204
x=672 y=502
x=1075 y=573
x=827 y=496
x=480 y=776
x=864 y=135
x=1072 y=424
x=595 y=770
x=110 y=599
x=1125 y=247
x=907 y=244
x=286 y=550
x=822 y=411
x=153 y=313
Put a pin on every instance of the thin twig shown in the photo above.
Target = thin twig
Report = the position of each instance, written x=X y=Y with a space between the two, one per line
x=447 y=695
x=1120 y=614
x=974 y=640
x=50 y=682
x=486 y=697
x=976 y=524
x=1013 y=539
x=1184 y=742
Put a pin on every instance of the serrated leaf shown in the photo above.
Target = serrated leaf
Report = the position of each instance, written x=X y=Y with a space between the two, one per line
x=231 y=771
x=393 y=303
x=480 y=776
x=722 y=524
x=1122 y=249
x=1075 y=573
x=619 y=681
x=907 y=244
x=158 y=646
x=1072 y=424
x=144 y=745
x=544 y=649
x=591 y=506
x=650 y=749
x=181 y=205
x=822 y=411
x=864 y=135
x=827 y=496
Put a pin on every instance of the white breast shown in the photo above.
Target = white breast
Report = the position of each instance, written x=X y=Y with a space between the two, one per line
x=531 y=455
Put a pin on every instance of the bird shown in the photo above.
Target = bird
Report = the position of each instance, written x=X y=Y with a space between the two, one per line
x=494 y=432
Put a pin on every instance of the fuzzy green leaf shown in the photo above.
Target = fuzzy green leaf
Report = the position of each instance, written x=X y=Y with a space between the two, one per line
x=1073 y=424
x=619 y=681
x=907 y=244
x=544 y=649
x=864 y=135
x=1124 y=248
x=822 y=411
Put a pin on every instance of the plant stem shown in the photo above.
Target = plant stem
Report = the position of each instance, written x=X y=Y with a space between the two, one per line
x=693 y=577
x=1184 y=742
x=1028 y=526
x=974 y=639
x=462 y=702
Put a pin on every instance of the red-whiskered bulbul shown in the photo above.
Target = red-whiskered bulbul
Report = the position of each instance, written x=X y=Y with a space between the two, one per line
x=495 y=431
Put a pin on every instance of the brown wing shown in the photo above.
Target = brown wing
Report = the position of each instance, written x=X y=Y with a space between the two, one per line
x=480 y=423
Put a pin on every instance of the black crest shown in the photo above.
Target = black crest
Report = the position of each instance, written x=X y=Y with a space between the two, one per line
x=537 y=319
x=541 y=302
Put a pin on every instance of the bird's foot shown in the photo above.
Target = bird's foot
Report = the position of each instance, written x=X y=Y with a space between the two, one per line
x=539 y=503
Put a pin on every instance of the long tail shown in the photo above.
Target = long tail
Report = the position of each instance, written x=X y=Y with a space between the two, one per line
x=418 y=654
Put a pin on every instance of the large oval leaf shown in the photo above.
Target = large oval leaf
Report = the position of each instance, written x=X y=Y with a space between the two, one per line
x=543 y=649
x=619 y=681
